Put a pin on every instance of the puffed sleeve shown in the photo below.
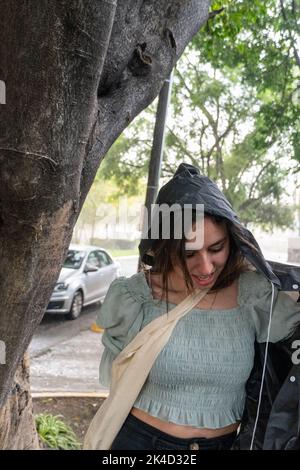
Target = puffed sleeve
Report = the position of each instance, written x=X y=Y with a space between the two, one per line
x=286 y=312
x=121 y=316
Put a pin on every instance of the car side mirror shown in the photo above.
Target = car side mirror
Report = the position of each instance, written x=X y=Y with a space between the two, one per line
x=90 y=268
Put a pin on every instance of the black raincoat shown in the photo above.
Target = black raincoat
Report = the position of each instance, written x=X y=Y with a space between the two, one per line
x=278 y=423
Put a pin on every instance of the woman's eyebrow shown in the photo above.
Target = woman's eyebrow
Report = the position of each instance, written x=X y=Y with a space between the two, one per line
x=218 y=242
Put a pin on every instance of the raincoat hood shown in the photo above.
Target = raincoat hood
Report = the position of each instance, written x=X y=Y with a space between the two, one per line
x=188 y=186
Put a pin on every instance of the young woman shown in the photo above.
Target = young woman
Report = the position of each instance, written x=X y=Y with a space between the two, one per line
x=195 y=394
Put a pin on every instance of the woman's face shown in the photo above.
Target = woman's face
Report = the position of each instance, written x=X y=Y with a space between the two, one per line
x=206 y=264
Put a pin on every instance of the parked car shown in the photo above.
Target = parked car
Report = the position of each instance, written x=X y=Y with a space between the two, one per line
x=84 y=279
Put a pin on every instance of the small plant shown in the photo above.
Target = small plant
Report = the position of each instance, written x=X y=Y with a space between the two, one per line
x=55 y=433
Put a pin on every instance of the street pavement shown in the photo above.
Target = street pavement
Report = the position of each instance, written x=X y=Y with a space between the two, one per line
x=65 y=355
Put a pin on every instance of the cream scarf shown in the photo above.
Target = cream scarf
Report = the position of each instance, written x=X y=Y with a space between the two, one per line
x=129 y=373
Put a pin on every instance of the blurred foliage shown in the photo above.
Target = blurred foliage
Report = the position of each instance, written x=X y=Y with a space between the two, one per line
x=102 y=206
x=260 y=39
x=126 y=163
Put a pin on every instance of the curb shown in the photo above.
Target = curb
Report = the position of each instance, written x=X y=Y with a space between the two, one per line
x=69 y=394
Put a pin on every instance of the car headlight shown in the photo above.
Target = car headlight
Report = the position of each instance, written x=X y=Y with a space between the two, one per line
x=61 y=286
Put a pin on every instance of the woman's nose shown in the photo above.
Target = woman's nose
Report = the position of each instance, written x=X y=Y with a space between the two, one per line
x=204 y=264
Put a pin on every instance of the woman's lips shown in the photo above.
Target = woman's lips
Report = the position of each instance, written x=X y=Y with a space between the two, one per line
x=203 y=281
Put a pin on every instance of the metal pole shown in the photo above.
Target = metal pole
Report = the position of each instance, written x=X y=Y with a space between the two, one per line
x=157 y=145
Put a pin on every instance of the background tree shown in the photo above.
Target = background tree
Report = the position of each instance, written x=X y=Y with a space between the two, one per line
x=127 y=160
x=101 y=212
x=76 y=74
x=260 y=39
x=235 y=110
x=218 y=134
x=89 y=215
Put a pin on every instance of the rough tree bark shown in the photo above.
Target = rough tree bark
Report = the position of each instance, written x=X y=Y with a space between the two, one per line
x=76 y=73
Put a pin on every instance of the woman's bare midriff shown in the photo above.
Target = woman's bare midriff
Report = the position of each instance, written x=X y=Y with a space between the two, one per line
x=184 y=432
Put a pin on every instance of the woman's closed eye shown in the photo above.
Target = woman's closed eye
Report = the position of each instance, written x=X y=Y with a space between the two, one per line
x=215 y=249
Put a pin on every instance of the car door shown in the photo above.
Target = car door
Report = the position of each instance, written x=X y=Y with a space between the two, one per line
x=93 y=280
x=108 y=270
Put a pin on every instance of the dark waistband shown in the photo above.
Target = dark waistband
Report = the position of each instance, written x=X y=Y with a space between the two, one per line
x=131 y=419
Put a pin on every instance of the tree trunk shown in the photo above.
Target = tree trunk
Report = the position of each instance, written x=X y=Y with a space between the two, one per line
x=76 y=73
x=17 y=430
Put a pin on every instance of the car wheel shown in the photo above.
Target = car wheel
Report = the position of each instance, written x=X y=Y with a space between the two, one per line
x=76 y=306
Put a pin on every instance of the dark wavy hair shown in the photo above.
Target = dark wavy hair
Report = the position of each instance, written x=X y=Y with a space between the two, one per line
x=170 y=252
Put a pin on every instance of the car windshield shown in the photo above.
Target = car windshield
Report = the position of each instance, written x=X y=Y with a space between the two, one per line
x=74 y=259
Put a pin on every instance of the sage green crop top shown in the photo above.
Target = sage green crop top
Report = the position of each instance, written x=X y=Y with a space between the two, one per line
x=199 y=377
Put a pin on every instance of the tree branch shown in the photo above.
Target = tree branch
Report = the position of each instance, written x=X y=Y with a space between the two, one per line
x=218 y=140
x=214 y=13
x=180 y=144
x=133 y=88
x=256 y=181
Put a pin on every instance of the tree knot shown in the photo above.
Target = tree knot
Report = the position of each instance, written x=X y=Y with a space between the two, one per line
x=140 y=63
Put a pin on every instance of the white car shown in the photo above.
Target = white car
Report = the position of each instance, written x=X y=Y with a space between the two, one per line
x=84 y=279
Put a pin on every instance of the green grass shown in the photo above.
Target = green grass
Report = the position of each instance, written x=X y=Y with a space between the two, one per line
x=117 y=253
x=55 y=433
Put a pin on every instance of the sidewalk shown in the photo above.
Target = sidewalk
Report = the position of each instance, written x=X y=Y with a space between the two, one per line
x=70 y=366
x=68 y=362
